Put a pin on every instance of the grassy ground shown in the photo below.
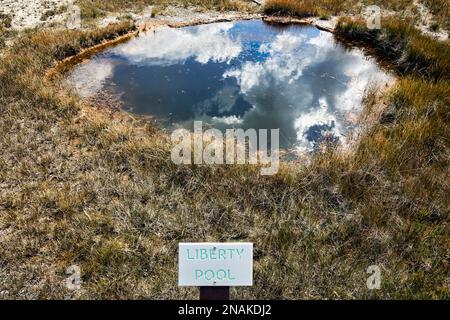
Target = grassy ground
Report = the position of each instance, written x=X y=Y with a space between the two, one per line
x=5 y=32
x=403 y=45
x=78 y=186
x=441 y=10
x=91 y=9
x=405 y=9
x=310 y=7
x=307 y=8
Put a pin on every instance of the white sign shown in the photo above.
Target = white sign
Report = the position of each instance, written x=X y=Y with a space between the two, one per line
x=215 y=264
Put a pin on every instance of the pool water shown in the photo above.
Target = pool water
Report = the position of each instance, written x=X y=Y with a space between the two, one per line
x=245 y=74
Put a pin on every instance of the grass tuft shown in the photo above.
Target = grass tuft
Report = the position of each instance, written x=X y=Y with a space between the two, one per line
x=306 y=8
x=401 y=44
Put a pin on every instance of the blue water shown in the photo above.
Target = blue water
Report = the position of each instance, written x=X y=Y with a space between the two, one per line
x=244 y=74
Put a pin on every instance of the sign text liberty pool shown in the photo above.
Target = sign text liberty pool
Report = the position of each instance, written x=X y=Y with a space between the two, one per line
x=215 y=264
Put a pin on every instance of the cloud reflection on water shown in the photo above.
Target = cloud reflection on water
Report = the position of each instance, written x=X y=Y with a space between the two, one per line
x=168 y=46
x=298 y=79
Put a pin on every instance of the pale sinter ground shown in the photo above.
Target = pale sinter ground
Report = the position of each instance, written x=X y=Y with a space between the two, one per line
x=29 y=14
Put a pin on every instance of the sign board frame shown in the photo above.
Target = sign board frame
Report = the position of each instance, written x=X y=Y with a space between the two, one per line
x=214 y=264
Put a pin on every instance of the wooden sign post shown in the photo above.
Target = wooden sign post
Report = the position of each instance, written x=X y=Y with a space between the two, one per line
x=215 y=267
x=214 y=293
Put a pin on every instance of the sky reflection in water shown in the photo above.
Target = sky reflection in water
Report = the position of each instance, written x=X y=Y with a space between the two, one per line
x=238 y=74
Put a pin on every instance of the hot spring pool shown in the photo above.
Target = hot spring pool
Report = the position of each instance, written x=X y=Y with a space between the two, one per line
x=245 y=74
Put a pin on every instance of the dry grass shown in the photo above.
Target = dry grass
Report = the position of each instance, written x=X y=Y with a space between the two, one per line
x=92 y=9
x=307 y=8
x=403 y=45
x=5 y=20
x=404 y=9
x=395 y=5
x=77 y=187
x=441 y=10
x=220 y=5
x=5 y=31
